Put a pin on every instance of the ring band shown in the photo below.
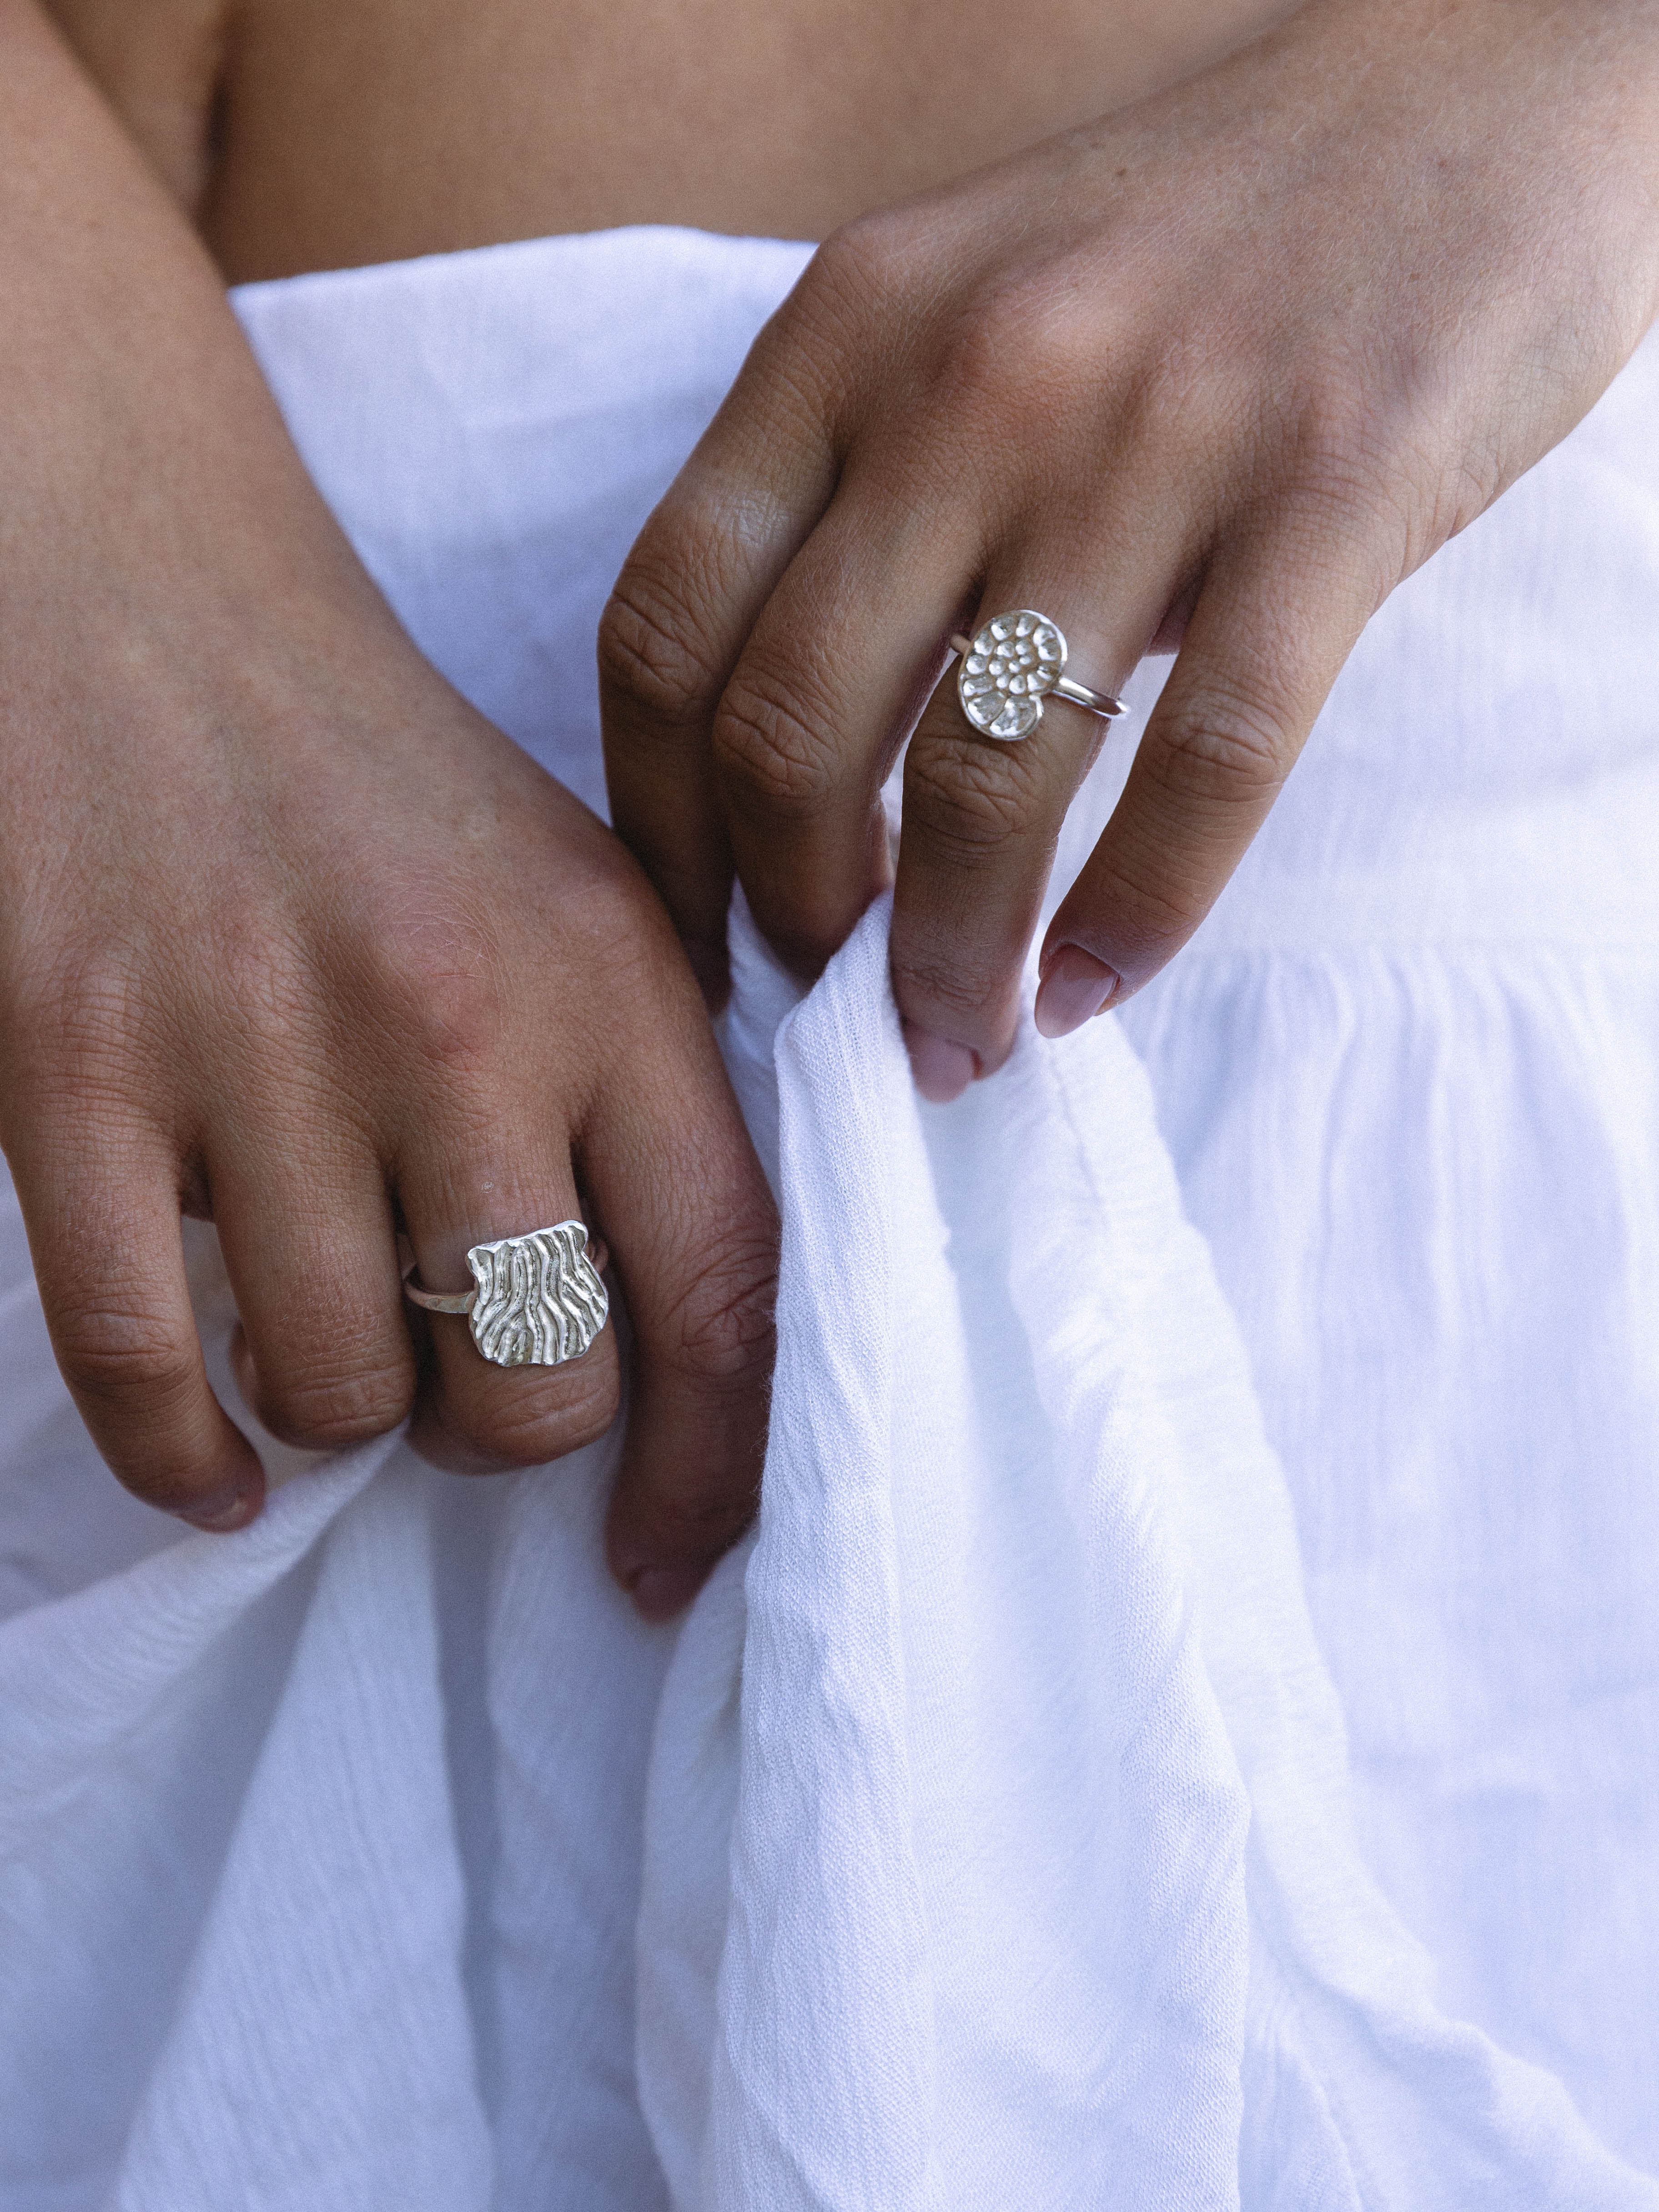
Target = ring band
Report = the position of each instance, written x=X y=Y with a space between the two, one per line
x=538 y=1300
x=1010 y=665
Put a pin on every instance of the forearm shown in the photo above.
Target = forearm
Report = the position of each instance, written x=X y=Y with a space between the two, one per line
x=142 y=445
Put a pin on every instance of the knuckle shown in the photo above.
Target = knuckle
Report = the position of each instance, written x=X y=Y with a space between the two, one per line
x=547 y=1419
x=855 y=263
x=622 y=934
x=968 y=995
x=772 y=745
x=954 y=995
x=1338 y=434
x=975 y=384
x=115 y=1351
x=322 y=1410
x=723 y=1325
x=1358 y=456
x=1228 y=747
x=653 y=634
x=1373 y=482
x=1178 y=388
x=265 y=983
x=84 y=1018
x=968 y=797
x=858 y=272
x=434 y=969
x=1019 y=353
x=1149 y=906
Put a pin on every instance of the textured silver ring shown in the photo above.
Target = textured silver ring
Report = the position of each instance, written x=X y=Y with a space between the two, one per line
x=537 y=1300
x=1010 y=665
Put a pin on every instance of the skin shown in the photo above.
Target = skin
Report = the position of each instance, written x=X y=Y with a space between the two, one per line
x=245 y=969
x=376 y=128
x=291 y=936
x=1186 y=374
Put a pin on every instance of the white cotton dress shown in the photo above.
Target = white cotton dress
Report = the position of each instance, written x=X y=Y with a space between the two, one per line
x=1185 y=1732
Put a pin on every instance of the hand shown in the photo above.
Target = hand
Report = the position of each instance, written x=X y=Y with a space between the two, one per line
x=319 y=956
x=1224 y=369
x=291 y=938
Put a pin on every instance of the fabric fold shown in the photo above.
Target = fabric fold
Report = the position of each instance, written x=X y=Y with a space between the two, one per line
x=1020 y=1657
x=1032 y=1810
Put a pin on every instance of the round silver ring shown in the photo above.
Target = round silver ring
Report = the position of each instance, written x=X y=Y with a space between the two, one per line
x=1010 y=665
x=537 y=1301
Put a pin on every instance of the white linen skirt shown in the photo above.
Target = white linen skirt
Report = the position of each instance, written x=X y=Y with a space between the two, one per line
x=1185 y=1730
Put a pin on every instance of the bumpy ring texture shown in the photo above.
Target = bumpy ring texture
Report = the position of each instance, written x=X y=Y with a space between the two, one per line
x=1010 y=665
x=538 y=1299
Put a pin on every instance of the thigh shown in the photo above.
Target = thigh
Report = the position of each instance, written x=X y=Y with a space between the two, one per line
x=307 y=134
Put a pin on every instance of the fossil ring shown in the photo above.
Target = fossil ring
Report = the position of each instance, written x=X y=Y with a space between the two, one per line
x=539 y=1298
x=1009 y=667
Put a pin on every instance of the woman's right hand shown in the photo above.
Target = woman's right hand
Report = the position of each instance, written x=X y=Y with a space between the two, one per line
x=291 y=936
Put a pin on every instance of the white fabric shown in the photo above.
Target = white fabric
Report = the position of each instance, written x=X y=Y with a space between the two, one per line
x=1069 y=1797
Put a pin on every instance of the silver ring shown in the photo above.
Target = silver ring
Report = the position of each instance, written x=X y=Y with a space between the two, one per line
x=537 y=1299
x=1009 y=667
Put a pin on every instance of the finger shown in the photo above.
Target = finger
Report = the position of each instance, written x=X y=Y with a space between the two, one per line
x=983 y=815
x=839 y=666
x=1279 y=612
x=693 y=1235
x=473 y=1417
x=309 y=1248
x=109 y=1261
x=678 y=617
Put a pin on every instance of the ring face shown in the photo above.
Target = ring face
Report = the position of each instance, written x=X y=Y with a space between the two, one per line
x=540 y=1299
x=1014 y=661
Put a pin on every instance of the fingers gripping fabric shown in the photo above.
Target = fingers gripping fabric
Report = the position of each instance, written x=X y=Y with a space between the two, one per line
x=989 y=1832
x=1035 y=1780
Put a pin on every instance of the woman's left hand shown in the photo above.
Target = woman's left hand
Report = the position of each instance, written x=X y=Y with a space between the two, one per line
x=1222 y=369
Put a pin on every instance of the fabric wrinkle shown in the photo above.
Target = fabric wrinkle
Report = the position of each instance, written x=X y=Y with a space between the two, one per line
x=1172 y=1737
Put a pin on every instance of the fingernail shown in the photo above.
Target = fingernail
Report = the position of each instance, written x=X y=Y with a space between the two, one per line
x=943 y=1070
x=1074 y=986
x=661 y=1592
x=226 y=1509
